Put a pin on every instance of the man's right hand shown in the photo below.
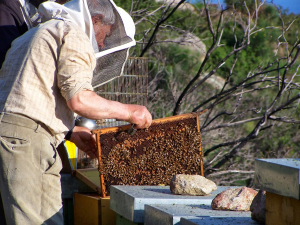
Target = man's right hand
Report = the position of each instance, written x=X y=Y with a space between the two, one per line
x=140 y=116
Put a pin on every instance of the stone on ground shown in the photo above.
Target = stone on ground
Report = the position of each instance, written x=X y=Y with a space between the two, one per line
x=238 y=199
x=258 y=207
x=196 y=185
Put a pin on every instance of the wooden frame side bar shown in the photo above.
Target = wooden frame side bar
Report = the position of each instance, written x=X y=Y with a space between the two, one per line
x=102 y=186
x=200 y=149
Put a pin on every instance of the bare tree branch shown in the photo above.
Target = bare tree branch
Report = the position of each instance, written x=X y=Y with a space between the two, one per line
x=158 y=24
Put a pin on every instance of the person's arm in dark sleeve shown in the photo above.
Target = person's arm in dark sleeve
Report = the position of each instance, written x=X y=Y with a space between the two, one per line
x=9 y=31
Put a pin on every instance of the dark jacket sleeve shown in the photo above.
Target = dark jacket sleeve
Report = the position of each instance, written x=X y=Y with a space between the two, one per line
x=12 y=25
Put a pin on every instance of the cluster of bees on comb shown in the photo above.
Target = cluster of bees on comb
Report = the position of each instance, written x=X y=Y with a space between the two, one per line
x=151 y=156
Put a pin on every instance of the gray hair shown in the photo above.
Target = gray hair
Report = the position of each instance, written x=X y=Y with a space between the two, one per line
x=103 y=7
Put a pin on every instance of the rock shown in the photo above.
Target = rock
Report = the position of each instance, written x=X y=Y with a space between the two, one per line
x=214 y=80
x=192 y=43
x=182 y=184
x=258 y=207
x=237 y=199
x=185 y=6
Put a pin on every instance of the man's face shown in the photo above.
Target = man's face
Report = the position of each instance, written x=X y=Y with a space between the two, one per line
x=101 y=30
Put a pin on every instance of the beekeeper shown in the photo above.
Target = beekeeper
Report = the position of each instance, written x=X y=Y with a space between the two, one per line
x=49 y=74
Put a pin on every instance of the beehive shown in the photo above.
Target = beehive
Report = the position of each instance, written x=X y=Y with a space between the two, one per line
x=151 y=156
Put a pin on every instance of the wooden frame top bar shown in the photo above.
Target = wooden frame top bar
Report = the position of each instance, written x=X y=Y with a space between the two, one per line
x=162 y=120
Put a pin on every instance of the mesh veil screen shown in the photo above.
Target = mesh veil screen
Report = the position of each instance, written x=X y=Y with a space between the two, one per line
x=109 y=67
x=150 y=157
x=118 y=34
x=112 y=57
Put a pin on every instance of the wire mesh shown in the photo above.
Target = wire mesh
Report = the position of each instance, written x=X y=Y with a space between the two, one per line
x=131 y=87
x=151 y=156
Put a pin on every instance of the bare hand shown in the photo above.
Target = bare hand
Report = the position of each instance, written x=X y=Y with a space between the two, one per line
x=140 y=116
x=84 y=140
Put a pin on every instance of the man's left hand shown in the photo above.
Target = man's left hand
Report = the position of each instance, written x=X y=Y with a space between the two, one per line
x=84 y=140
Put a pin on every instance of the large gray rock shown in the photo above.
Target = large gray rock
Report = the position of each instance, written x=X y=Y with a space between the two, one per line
x=258 y=207
x=182 y=184
x=237 y=199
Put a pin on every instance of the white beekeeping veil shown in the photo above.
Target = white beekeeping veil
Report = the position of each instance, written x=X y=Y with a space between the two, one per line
x=110 y=59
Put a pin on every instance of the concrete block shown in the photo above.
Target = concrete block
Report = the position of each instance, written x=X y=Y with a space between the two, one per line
x=123 y=221
x=172 y=214
x=129 y=201
x=278 y=176
x=217 y=221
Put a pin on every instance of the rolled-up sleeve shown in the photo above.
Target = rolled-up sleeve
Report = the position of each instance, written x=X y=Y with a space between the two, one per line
x=76 y=62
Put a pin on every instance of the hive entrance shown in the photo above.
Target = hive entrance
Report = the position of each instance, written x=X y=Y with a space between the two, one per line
x=151 y=156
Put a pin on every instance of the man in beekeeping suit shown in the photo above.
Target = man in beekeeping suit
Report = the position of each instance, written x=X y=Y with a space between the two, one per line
x=48 y=74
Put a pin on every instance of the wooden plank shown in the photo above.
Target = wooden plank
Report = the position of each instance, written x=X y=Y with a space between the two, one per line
x=86 y=209
x=282 y=210
x=108 y=216
x=200 y=149
x=93 y=209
